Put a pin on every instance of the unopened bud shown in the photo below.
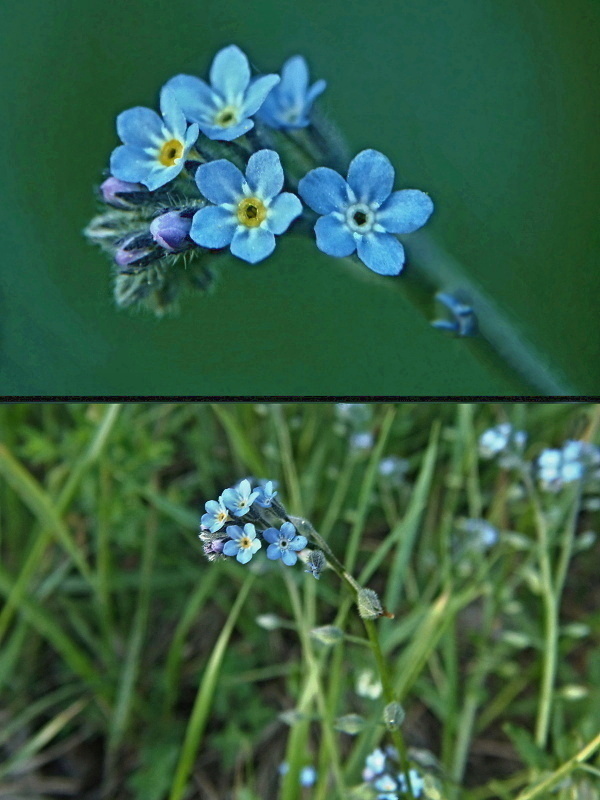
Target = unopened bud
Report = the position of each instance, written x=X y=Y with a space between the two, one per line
x=369 y=605
x=350 y=724
x=171 y=230
x=327 y=634
x=393 y=715
x=137 y=250
x=114 y=192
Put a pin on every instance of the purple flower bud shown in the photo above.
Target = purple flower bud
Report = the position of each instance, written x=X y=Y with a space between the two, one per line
x=131 y=253
x=113 y=187
x=171 y=230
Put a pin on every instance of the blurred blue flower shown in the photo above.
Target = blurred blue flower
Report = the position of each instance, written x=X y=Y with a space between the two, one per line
x=416 y=782
x=308 y=775
x=463 y=322
x=505 y=441
x=288 y=105
x=239 y=498
x=266 y=494
x=154 y=149
x=481 y=533
x=223 y=109
x=216 y=515
x=249 y=211
x=374 y=764
x=387 y=786
x=284 y=543
x=361 y=441
x=362 y=213
x=569 y=464
x=243 y=543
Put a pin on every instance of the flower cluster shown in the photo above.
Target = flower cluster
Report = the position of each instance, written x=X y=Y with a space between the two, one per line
x=381 y=772
x=266 y=517
x=574 y=461
x=504 y=442
x=209 y=172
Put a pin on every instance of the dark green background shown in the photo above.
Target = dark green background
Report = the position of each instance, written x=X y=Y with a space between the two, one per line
x=489 y=105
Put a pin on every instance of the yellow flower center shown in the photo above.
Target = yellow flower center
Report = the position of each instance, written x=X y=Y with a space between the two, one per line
x=251 y=212
x=222 y=516
x=226 y=117
x=245 y=542
x=170 y=152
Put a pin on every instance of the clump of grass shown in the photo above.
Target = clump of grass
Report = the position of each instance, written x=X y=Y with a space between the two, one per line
x=131 y=667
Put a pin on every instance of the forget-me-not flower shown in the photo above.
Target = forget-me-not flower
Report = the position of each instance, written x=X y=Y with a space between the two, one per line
x=284 y=543
x=239 y=498
x=416 y=782
x=374 y=764
x=248 y=211
x=288 y=105
x=223 y=109
x=154 y=149
x=243 y=543
x=216 y=515
x=558 y=467
x=362 y=213
x=308 y=775
x=386 y=784
x=266 y=494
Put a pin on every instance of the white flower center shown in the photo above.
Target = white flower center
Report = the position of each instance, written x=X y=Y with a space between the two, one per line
x=226 y=116
x=360 y=218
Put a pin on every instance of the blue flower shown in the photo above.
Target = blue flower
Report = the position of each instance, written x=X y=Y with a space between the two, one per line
x=374 y=764
x=216 y=515
x=239 y=498
x=557 y=467
x=154 y=149
x=222 y=110
x=505 y=441
x=266 y=494
x=308 y=775
x=284 y=543
x=243 y=543
x=249 y=211
x=416 y=782
x=386 y=784
x=290 y=102
x=363 y=213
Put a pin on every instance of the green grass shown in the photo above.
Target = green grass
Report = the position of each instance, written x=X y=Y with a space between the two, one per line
x=132 y=668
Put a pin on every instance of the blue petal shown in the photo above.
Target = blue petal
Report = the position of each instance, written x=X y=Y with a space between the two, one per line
x=315 y=90
x=288 y=530
x=212 y=506
x=194 y=96
x=234 y=531
x=289 y=557
x=371 y=176
x=405 y=211
x=217 y=132
x=231 y=548
x=294 y=80
x=130 y=164
x=257 y=92
x=172 y=113
x=191 y=136
x=299 y=543
x=252 y=244
x=220 y=181
x=333 y=236
x=273 y=552
x=161 y=175
x=230 y=73
x=264 y=174
x=271 y=535
x=213 y=227
x=282 y=211
x=139 y=127
x=324 y=190
x=244 y=556
x=381 y=252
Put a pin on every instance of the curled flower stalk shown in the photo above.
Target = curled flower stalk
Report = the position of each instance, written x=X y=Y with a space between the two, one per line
x=262 y=527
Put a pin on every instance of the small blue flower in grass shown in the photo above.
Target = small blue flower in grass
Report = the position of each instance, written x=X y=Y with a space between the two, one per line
x=223 y=109
x=243 y=543
x=386 y=785
x=284 y=543
x=416 y=782
x=154 y=149
x=266 y=494
x=288 y=105
x=249 y=210
x=216 y=515
x=362 y=213
x=308 y=775
x=374 y=764
x=239 y=498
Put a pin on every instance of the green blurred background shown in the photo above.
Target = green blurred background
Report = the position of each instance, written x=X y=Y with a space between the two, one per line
x=489 y=105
